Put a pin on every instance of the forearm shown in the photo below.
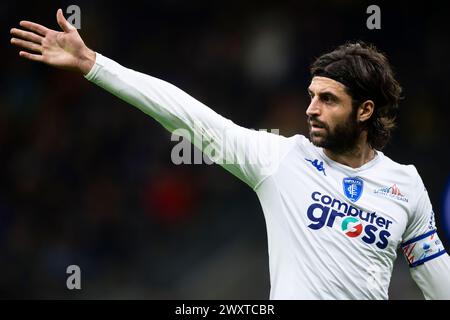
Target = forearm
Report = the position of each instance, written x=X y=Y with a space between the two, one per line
x=433 y=278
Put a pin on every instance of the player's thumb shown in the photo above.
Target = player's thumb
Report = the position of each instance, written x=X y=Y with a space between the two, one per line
x=63 y=23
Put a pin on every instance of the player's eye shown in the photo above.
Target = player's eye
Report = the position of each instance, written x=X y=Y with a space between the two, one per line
x=327 y=98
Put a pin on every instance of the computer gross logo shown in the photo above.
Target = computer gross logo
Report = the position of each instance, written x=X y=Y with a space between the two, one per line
x=352 y=227
x=327 y=211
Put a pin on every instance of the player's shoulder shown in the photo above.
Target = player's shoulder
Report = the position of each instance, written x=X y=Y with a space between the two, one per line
x=289 y=142
x=405 y=172
x=302 y=141
x=290 y=145
x=302 y=145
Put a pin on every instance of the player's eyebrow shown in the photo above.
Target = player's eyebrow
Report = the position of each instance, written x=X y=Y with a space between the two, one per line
x=325 y=94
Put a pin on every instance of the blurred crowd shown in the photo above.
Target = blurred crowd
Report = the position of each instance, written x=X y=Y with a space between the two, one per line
x=86 y=179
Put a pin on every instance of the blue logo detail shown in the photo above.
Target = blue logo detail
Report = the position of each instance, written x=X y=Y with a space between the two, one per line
x=318 y=165
x=353 y=188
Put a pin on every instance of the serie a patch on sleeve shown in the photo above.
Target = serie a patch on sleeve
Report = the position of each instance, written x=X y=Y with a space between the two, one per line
x=423 y=248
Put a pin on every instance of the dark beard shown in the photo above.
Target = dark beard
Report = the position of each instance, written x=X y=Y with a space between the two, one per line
x=342 y=139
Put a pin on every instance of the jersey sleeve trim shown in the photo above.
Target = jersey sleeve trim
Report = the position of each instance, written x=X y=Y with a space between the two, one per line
x=418 y=238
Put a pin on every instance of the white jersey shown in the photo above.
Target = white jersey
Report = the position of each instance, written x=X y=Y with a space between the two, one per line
x=333 y=231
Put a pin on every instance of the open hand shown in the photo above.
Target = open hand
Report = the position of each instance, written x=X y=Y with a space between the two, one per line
x=65 y=50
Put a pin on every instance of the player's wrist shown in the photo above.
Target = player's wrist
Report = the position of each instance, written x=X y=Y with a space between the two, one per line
x=87 y=61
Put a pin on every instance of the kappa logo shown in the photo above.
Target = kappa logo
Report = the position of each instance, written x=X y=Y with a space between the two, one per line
x=318 y=165
x=392 y=192
x=353 y=188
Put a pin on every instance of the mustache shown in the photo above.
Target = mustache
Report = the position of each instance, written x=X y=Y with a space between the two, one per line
x=316 y=122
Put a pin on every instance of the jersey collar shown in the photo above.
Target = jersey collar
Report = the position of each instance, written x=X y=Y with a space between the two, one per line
x=367 y=165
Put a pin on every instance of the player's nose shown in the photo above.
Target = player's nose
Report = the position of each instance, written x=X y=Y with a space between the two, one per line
x=313 y=109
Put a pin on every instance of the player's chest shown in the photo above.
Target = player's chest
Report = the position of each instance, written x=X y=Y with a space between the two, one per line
x=367 y=208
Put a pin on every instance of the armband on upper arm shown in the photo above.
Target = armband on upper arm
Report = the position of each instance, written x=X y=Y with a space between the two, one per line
x=423 y=248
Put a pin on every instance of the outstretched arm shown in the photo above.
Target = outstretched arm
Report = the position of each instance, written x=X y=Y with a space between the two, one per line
x=248 y=154
x=65 y=50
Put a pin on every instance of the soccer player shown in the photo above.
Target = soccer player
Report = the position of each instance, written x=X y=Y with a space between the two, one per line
x=336 y=208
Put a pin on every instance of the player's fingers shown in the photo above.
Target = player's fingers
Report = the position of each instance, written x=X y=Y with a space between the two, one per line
x=26 y=35
x=30 y=56
x=63 y=23
x=26 y=44
x=39 y=29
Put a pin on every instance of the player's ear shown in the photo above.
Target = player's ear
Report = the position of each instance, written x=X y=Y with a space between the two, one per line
x=365 y=110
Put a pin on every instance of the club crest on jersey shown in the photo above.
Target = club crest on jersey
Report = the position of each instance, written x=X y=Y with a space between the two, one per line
x=353 y=188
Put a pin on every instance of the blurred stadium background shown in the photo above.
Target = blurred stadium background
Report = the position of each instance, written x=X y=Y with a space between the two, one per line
x=86 y=179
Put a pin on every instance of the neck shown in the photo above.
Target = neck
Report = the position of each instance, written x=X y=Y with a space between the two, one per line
x=356 y=157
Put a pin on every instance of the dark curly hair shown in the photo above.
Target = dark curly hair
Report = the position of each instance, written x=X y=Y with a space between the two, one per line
x=367 y=75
